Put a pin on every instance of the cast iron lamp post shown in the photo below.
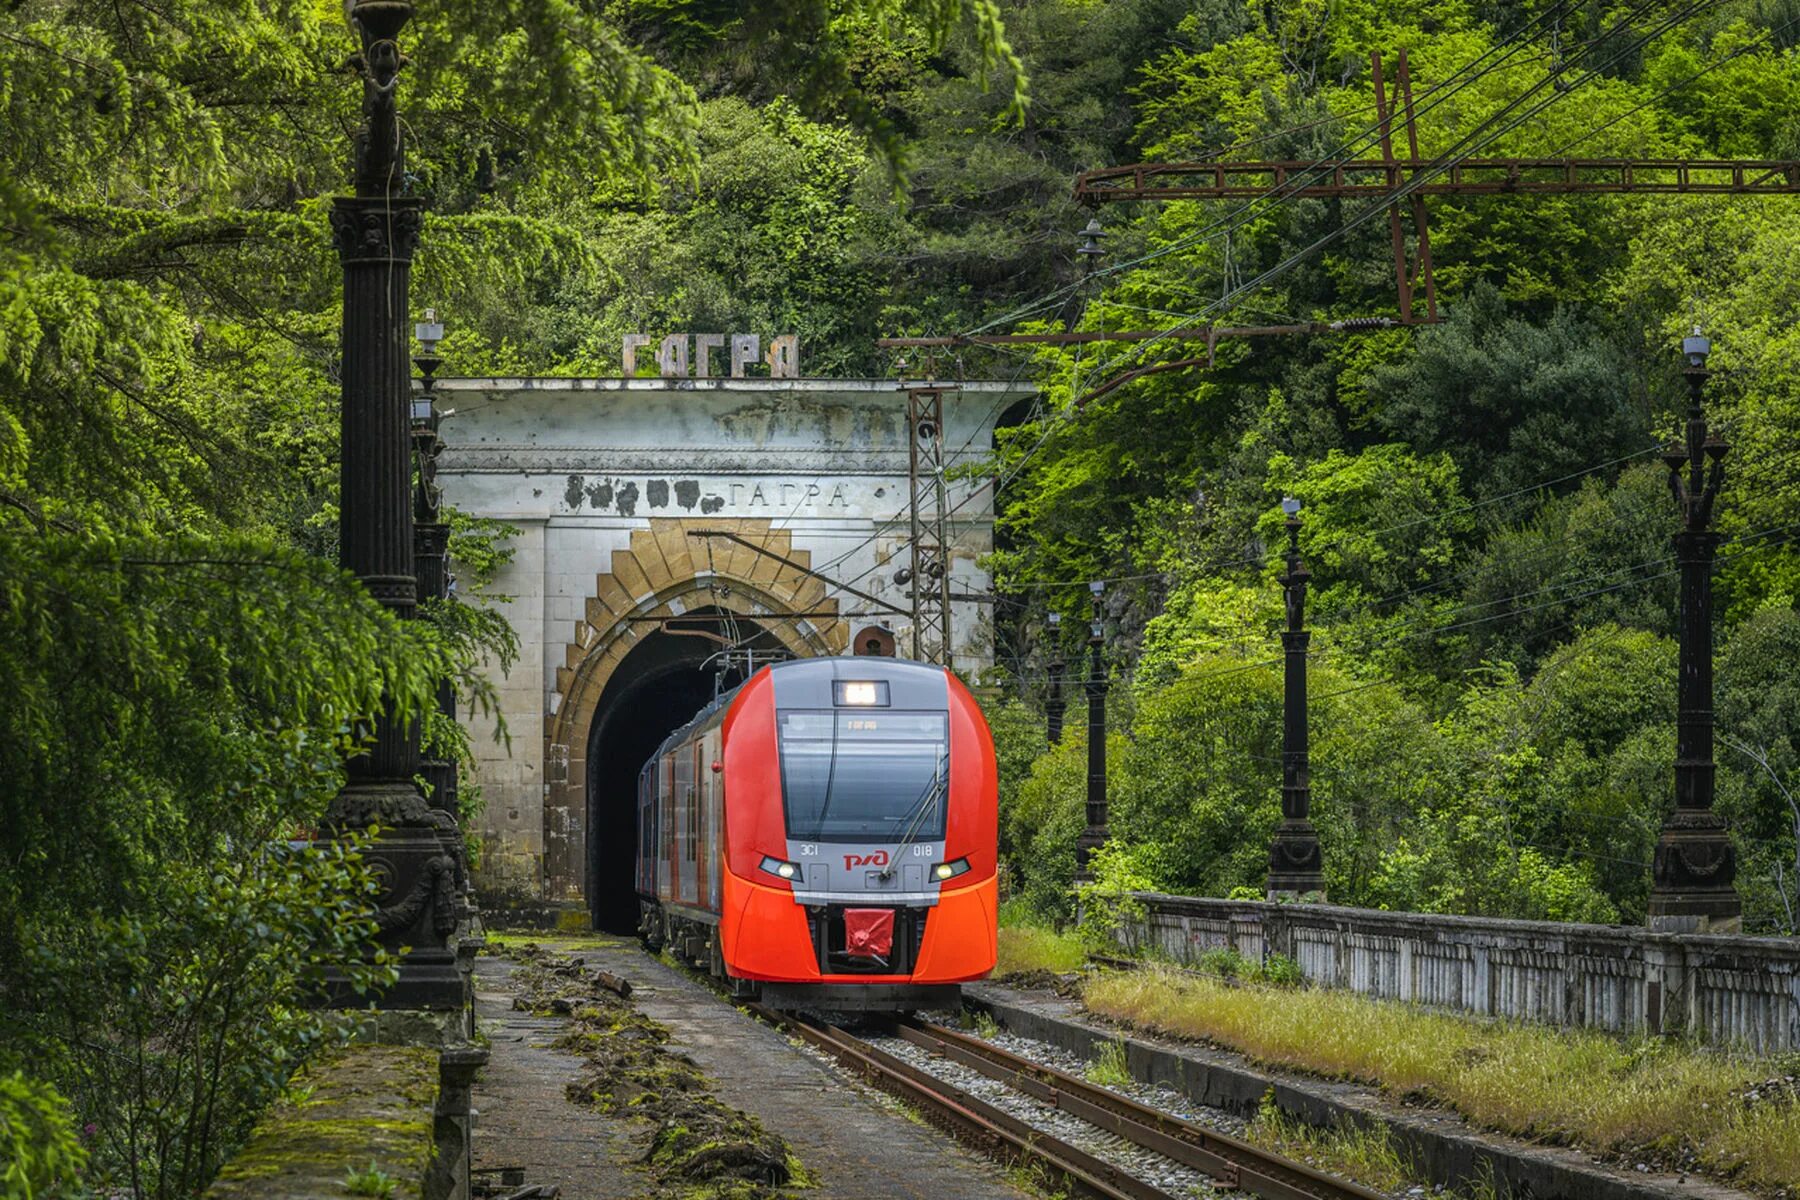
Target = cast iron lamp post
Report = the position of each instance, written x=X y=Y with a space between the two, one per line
x=376 y=231
x=1693 y=876
x=431 y=539
x=1296 y=867
x=430 y=535
x=1053 y=704
x=1094 y=836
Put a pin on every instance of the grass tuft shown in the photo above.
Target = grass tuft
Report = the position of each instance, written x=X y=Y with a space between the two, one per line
x=1580 y=1087
x=1038 y=948
x=1364 y=1153
x=1108 y=1068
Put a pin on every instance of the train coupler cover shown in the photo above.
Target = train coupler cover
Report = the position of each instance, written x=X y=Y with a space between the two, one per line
x=869 y=932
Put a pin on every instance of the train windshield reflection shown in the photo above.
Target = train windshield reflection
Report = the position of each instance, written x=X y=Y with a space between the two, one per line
x=864 y=776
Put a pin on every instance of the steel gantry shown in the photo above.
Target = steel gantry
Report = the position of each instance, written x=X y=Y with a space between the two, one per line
x=928 y=575
x=1410 y=180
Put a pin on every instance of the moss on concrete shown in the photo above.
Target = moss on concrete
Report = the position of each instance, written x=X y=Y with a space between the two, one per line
x=699 y=1147
x=367 y=1104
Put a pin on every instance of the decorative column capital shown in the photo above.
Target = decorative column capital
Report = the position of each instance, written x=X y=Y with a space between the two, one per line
x=378 y=229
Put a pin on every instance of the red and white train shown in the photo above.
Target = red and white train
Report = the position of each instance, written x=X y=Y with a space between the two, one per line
x=825 y=835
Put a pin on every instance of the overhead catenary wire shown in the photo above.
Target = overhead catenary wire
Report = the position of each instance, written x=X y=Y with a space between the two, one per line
x=1347 y=148
x=1756 y=43
x=1474 y=140
x=1478 y=138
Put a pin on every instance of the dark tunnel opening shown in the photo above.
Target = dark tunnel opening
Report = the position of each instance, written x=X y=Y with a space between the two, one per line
x=658 y=687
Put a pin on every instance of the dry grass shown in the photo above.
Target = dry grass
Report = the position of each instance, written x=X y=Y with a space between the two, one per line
x=1570 y=1086
x=1367 y=1155
x=1037 y=948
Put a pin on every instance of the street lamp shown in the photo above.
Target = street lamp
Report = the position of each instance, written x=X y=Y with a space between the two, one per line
x=1296 y=865
x=1053 y=704
x=431 y=541
x=1693 y=877
x=376 y=231
x=1094 y=836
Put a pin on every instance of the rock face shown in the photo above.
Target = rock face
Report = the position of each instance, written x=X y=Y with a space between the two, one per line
x=369 y=1110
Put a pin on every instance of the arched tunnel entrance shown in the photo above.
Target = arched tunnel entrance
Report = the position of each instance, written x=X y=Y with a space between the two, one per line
x=664 y=680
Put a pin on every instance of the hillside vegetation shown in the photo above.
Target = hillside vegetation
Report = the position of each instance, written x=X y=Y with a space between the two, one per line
x=1486 y=521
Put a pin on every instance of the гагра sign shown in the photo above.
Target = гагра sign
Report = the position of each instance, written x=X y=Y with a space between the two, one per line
x=672 y=360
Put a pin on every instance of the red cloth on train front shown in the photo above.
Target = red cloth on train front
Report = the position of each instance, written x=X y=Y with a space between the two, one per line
x=869 y=932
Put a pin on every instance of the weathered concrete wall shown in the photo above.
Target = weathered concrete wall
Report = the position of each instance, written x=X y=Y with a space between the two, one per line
x=584 y=469
x=402 y=1110
x=370 y=1105
x=1718 y=989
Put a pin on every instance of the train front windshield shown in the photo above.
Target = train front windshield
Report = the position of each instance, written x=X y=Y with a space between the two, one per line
x=864 y=776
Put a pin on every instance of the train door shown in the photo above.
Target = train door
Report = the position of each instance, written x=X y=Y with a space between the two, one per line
x=669 y=828
x=688 y=807
x=713 y=752
x=646 y=826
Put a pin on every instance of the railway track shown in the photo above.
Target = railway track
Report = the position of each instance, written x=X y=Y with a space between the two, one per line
x=1232 y=1163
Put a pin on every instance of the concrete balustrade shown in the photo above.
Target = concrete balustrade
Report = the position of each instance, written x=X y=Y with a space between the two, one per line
x=1716 y=989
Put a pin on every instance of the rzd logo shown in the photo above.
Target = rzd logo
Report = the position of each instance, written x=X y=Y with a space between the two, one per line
x=877 y=859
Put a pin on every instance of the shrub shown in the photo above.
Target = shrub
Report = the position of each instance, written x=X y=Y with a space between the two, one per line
x=40 y=1152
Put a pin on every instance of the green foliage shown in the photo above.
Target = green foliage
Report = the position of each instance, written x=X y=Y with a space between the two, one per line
x=199 y=1004
x=370 y=1181
x=1110 y=909
x=1492 y=590
x=1040 y=822
x=40 y=1151
x=1018 y=741
x=184 y=668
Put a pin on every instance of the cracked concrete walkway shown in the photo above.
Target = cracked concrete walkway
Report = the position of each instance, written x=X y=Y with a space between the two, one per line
x=856 y=1143
x=525 y=1121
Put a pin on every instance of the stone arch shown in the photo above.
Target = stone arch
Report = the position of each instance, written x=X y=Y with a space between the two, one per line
x=664 y=572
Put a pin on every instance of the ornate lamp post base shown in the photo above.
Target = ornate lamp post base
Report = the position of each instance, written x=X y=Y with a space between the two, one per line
x=1695 y=872
x=418 y=903
x=1296 y=864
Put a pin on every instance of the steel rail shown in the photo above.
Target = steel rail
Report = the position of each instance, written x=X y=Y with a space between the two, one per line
x=1235 y=1163
x=968 y=1118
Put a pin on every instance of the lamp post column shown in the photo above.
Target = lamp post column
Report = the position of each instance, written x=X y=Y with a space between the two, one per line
x=376 y=231
x=1693 y=876
x=1296 y=866
x=431 y=538
x=1094 y=836
x=1053 y=703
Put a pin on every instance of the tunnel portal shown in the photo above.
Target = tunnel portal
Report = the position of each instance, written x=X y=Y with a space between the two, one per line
x=660 y=685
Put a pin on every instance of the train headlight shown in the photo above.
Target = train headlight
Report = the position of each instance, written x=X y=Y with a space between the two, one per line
x=860 y=693
x=781 y=870
x=950 y=870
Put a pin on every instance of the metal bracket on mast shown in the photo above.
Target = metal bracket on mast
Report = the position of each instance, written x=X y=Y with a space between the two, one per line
x=1409 y=275
x=929 y=574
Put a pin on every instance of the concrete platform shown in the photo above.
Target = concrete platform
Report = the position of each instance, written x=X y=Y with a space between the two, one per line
x=857 y=1144
x=1441 y=1141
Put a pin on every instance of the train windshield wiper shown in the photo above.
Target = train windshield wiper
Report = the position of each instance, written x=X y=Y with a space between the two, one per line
x=916 y=815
